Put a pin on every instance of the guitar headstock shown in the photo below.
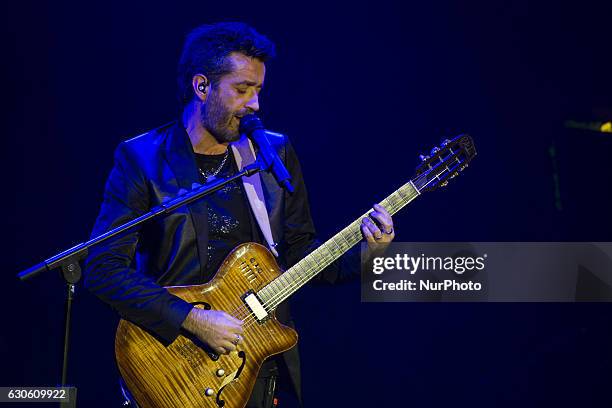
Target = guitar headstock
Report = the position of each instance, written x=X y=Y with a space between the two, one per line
x=444 y=163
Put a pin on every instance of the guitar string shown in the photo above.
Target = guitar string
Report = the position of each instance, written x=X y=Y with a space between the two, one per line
x=327 y=259
x=271 y=303
x=300 y=280
x=249 y=319
x=351 y=238
x=417 y=180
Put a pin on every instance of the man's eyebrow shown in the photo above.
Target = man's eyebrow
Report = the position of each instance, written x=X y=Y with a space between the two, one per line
x=249 y=83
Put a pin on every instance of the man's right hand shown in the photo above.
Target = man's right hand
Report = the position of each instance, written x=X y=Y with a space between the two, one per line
x=218 y=329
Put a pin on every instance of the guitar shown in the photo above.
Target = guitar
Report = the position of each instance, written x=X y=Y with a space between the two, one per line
x=250 y=285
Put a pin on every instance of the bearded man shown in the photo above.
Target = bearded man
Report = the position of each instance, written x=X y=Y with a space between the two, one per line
x=220 y=75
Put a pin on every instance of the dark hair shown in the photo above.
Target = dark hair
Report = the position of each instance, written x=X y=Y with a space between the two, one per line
x=206 y=50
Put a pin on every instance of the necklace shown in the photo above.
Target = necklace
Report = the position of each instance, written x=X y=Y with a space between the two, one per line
x=214 y=173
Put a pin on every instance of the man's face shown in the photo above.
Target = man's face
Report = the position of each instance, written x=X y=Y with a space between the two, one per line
x=235 y=95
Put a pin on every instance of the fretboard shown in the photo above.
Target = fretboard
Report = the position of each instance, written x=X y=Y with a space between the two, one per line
x=299 y=274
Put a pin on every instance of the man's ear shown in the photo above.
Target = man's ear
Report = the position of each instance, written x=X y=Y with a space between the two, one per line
x=201 y=86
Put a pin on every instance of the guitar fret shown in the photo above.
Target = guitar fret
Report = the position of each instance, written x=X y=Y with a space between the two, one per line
x=297 y=270
x=291 y=281
x=330 y=255
x=398 y=202
x=399 y=192
x=310 y=264
x=338 y=246
x=389 y=204
x=345 y=240
x=277 y=287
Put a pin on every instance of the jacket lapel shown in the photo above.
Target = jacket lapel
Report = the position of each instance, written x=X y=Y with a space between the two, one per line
x=244 y=155
x=181 y=159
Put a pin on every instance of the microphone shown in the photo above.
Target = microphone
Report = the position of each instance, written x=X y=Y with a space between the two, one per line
x=251 y=126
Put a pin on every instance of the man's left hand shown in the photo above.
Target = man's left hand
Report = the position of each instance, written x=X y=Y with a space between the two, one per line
x=378 y=237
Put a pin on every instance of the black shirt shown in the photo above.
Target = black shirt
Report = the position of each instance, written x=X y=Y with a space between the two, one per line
x=229 y=222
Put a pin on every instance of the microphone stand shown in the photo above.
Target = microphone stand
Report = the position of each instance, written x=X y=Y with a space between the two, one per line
x=69 y=260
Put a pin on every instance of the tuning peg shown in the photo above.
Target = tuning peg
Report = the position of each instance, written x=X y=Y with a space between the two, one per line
x=434 y=151
x=454 y=174
x=445 y=142
x=444 y=183
x=464 y=166
x=423 y=157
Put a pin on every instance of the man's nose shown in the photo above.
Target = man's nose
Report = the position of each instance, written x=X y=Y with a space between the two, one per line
x=253 y=103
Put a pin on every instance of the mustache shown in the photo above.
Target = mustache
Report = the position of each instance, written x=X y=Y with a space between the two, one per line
x=244 y=112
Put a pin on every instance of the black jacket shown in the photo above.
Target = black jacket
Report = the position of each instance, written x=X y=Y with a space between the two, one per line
x=129 y=272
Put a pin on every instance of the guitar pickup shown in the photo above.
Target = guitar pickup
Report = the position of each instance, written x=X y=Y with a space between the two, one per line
x=255 y=305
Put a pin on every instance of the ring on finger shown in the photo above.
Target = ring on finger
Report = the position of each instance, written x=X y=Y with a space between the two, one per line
x=236 y=340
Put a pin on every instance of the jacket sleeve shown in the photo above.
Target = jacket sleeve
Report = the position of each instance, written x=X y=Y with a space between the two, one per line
x=109 y=273
x=299 y=230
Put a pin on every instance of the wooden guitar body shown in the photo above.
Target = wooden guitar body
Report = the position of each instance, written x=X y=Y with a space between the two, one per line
x=187 y=373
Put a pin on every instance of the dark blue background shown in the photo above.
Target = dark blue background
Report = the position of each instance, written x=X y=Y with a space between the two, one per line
x=361 y=88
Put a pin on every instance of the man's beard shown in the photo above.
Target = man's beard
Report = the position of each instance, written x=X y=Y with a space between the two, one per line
x=218 y=120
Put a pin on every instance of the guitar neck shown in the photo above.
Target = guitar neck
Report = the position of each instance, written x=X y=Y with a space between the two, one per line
x=298 y=275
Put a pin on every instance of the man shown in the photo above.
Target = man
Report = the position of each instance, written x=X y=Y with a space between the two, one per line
x=220 y=75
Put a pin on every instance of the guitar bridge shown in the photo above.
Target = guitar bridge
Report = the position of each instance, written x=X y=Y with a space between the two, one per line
x=255 y=305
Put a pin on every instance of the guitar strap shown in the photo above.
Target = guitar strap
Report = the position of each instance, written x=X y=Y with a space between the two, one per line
x=245 y=155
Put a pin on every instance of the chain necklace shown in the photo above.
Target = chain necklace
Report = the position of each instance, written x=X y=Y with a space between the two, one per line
x=214 y=173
